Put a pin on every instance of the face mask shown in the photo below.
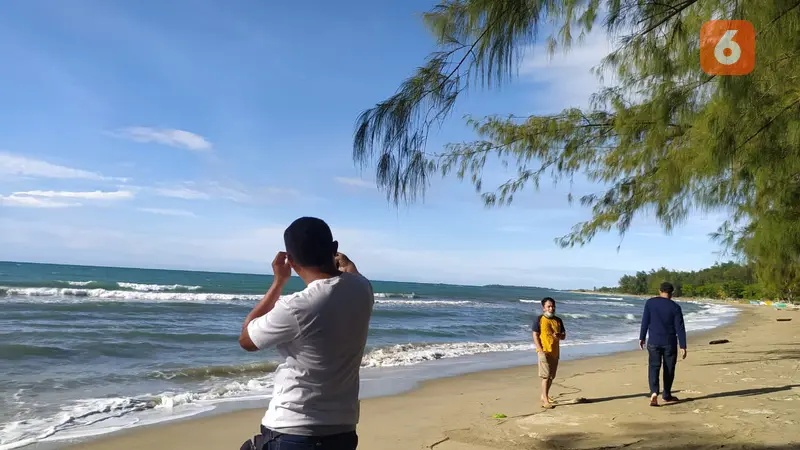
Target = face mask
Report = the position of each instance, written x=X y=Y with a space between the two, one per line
x=549 y=315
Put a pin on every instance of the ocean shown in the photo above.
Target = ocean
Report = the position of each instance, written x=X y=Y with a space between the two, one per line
x=91 y=350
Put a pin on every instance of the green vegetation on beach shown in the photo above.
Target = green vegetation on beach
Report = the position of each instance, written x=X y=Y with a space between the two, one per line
x=724 y=280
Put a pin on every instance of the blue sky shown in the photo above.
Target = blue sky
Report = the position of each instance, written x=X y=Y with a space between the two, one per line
x=189 y=134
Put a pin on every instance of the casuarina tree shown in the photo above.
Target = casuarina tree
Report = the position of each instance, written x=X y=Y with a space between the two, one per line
x=664 y=139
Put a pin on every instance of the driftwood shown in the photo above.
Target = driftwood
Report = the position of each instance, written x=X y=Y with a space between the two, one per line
x=719 y=341
x=787 y=319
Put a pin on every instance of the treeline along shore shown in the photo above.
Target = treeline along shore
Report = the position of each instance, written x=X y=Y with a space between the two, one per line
x=727 y=280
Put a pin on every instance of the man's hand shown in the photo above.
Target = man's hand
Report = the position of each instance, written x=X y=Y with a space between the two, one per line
x=344 y=264
x=683 y=353
x=280 y=268
x=641 y=345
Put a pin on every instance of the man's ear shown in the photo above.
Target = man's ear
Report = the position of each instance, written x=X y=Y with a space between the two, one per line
x=335 y=247
x=292 y=264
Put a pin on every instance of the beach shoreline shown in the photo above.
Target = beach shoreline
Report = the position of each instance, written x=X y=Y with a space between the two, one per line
x=717 y=301
x=679 y=299
x=477 y=387
x=172 y=353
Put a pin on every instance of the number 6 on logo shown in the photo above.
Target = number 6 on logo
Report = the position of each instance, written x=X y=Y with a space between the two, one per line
x=727 y=47
x=727 y=50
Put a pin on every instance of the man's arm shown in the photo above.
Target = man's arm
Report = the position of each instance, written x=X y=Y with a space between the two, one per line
x=537 y=342
x=562 y=330
x=266 y=305
x=537 y=329
x=681 y=329
x=281 y=271
x=645 y=324
x=276 y=327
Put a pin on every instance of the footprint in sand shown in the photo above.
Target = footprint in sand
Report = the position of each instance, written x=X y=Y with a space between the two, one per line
x=756 y=411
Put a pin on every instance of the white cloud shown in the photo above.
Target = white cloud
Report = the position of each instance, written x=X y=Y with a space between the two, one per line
x=91 y=195
x=182 y=192
x=170 y=137
x=15 y=200
x=568 y=77
x=355 y=182
x=60 y=199
x=235 y=192
x=16 y=165
x=168 y=212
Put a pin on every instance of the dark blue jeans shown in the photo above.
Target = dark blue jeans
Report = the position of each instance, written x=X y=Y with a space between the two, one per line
x=271 y=440
x=666 y=355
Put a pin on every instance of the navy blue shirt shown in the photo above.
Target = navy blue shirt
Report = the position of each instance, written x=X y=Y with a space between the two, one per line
x=663 y=319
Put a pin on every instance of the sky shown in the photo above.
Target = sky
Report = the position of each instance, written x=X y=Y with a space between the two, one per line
x=188 y=135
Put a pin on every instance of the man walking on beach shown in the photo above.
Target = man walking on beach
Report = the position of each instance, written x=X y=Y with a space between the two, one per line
x=663 y=321
x=322 y=332
x=548 y=330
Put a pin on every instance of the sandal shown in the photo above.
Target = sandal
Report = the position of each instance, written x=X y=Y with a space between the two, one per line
x=671 y=399
x=653 y=400
x=547 y=406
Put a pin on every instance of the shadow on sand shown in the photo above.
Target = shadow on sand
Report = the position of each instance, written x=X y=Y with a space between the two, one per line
x=645 y=435
x=637 y=435
x=739 y=393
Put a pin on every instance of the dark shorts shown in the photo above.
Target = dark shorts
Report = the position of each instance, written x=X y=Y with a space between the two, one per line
x=271 y=440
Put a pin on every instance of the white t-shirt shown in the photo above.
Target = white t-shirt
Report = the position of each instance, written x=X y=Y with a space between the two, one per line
x=321 y=331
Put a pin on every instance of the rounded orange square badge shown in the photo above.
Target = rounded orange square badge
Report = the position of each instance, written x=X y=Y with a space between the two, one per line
x=727 y=47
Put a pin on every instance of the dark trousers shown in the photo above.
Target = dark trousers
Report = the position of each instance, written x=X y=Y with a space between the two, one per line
x=271 y=440
x=666 y=355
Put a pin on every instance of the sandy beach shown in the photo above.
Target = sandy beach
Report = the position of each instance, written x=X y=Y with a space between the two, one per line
x=736 y=395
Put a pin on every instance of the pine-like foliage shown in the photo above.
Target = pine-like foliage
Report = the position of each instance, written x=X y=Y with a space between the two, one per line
x=667 y=138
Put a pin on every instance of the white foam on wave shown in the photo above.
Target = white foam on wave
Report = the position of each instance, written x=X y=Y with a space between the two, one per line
x=157 y=287
x=395 y=295
x=628 y=316
x=711 y=315
x=88 y=417
x=165 y=293
x=78 y=283
x=139 y=286
x=67 y=295
x=425 y=302
x=408 y=354
x=585 y=302
x=598 y=303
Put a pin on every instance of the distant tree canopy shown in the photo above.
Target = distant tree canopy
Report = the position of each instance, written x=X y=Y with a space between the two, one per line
x=666 y=139
x=724 y=280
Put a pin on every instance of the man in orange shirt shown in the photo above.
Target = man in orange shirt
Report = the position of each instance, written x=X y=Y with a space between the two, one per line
x=548 y=330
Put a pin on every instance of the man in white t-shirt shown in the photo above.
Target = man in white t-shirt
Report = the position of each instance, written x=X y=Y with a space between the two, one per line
x=321 y=331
